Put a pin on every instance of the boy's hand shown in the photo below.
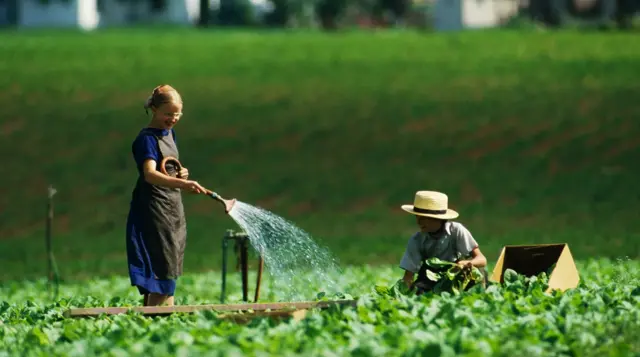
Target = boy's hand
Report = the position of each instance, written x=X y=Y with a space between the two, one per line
x=184 y=173
x=465 y=264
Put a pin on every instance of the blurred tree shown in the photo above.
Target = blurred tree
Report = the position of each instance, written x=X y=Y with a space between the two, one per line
x=546 y=12
x=235 y=13
x=204 y=13
x=556 y=12
x=625 y=11
x=329 y=11
x=12 y=12
x=158 y=5
x=291 y=13
x=399 y=9
x=279 y=16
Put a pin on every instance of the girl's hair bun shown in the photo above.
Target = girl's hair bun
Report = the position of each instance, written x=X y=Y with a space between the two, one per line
x=163 y=93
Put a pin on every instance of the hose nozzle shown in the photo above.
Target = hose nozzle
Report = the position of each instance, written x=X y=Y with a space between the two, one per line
x=228 y=204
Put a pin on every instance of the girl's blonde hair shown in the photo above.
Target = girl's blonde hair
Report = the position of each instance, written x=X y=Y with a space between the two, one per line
x=162 y=94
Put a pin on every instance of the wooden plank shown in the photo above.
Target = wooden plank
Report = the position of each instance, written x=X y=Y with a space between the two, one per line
x=243 y=318
x=167 y=310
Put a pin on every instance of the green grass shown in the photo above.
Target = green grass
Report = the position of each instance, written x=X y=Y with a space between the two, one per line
x=601 y=317
x=534 y=136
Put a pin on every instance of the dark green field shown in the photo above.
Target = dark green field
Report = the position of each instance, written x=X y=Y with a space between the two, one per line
x=534 y=136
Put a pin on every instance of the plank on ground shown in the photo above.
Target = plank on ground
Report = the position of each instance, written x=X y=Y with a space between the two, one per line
x=167 y=310
x=243 y=318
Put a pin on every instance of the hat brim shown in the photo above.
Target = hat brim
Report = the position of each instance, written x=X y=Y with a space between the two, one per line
x=450 y=214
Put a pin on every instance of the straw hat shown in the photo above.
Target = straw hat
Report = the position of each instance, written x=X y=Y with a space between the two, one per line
x=431 y=204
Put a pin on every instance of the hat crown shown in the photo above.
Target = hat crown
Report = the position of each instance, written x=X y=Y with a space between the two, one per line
x=431 y=200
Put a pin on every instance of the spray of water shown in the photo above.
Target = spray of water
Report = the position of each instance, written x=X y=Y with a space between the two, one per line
x=297 y=264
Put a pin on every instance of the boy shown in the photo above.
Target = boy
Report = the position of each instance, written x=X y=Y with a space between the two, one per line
x=438 y=237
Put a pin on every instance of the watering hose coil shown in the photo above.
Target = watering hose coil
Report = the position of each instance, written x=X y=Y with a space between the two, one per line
x=228 y=204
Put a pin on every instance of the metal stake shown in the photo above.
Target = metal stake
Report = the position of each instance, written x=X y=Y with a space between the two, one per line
x=259 y=278
x=225 y=244
x=52 y=268
x=244 y=264
x=241 y=248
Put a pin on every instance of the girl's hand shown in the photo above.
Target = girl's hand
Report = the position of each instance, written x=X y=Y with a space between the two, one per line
x=184 y=173
x=194 y=187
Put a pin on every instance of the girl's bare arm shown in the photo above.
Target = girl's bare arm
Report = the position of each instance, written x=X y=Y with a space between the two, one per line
x=154 y=177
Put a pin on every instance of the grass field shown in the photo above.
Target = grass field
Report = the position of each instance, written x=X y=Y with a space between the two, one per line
x=532 y=135
x=599 y=318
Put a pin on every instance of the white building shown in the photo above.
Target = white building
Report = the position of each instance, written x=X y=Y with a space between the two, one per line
x=452 y=15
x=90 y=14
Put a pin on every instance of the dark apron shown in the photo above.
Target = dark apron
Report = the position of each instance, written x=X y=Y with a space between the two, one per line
x=162 y=217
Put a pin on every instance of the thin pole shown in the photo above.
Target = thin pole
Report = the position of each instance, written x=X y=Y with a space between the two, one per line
x=224 y=267
x=259 y=278
x=245 y=268
x=52 y=268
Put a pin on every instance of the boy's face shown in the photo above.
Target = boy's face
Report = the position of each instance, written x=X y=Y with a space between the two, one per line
x=428 y=224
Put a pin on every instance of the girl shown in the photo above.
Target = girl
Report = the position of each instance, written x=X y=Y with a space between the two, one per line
x=156 y=225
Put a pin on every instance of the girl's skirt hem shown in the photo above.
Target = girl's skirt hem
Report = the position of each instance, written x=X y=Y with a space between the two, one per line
x=151 y=285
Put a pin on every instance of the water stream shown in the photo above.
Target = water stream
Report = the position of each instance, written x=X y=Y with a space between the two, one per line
x=298 y=265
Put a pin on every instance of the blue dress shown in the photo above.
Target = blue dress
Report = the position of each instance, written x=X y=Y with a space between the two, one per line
x=156 y=226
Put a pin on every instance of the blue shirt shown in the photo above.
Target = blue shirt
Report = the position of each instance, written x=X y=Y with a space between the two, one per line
x=145 y=146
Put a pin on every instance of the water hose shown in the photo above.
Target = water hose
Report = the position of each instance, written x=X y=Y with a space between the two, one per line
x=227 y=204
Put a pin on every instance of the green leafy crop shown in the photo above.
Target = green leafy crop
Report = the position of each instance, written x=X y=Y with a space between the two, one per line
x=437 y=276
x=600 y=317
